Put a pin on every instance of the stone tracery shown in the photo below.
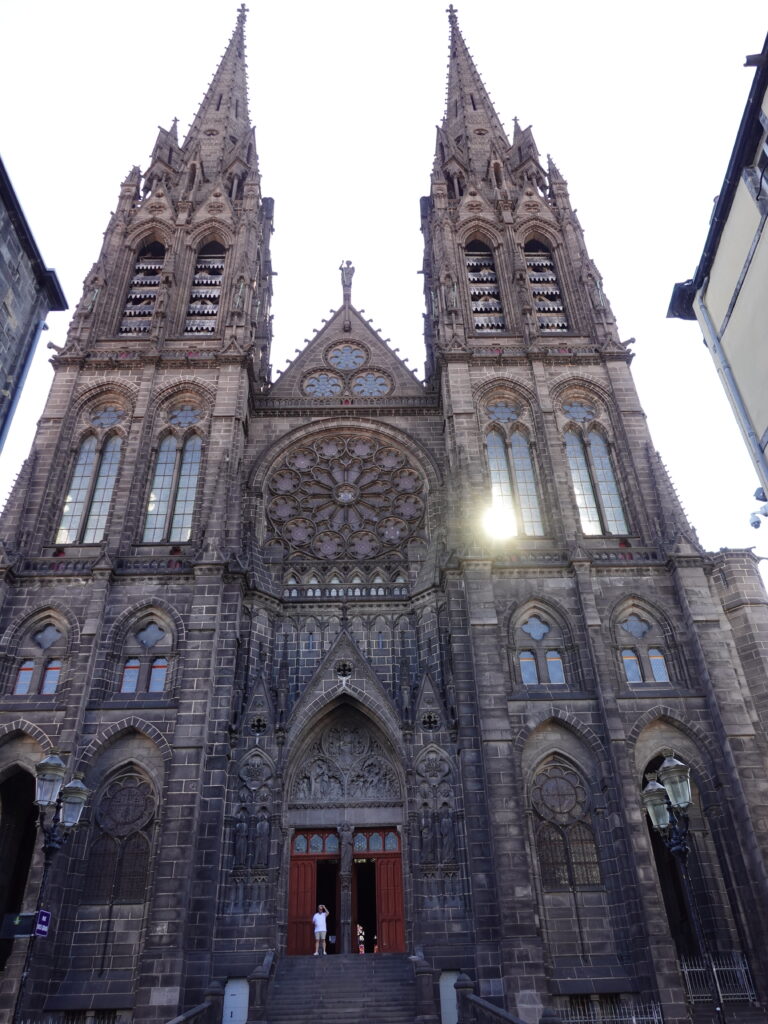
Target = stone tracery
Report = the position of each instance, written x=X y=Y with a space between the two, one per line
x=345 y=495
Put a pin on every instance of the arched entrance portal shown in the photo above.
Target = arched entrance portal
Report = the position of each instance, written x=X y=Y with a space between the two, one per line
x=346 y=810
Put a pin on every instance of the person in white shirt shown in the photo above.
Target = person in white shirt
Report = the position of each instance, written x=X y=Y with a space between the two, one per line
x=320 y=928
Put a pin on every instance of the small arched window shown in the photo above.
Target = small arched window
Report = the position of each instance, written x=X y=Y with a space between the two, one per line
x=51 y=676
x=89 y=496
x=594 y=484
x=545 y=288
x=171 y=501
x=205 y=294
x=143 y=290
x=484 y=292
x=541 y=651
x=646 y=661
x=130 y=680
x=24 y=675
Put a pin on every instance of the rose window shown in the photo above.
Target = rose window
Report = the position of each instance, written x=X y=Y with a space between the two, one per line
x=370 y=385
x=347 y=357
x=323 y=385
x=345 y=496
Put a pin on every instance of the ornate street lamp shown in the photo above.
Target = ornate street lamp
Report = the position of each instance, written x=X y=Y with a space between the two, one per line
x=60 y=809
x=667 y=802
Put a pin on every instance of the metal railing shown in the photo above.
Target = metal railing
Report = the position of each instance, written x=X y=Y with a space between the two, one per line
x=731 y=975
x=613 y=1013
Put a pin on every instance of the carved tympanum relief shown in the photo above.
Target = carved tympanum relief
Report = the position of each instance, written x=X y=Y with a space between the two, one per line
x=346 y=764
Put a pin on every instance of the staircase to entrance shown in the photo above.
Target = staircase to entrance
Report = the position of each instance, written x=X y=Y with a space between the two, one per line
x=379 y=988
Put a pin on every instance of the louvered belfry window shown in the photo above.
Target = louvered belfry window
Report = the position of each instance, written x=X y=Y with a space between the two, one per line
x=547 y=298
x=142 y=293
x=205 y=295
x=484 y=293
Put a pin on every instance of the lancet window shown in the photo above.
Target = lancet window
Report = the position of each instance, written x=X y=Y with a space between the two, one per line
x=547 y=297
x=89 y=495
x=513 y=482
x=143 y=291
x=205 y=294
x=484 y=292
x=594 y=484
x=171 y=502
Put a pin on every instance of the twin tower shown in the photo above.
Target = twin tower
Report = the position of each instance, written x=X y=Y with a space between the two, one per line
x=407 y=649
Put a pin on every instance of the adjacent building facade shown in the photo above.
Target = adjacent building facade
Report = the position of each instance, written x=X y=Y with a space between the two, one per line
x=28 y=292
x=406 y=649
x=728 y=293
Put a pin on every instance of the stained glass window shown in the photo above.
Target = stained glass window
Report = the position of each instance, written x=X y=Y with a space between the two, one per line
x=528 y=671
x=631 y=663
x=24 y=678
x=51 y=676
x=130 y=679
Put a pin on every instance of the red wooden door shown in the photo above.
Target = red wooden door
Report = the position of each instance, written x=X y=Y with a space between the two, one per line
x=389 y=905
x=301 y=906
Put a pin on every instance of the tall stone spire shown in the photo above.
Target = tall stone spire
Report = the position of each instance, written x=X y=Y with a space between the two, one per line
x=223 y=113
x=471 y=133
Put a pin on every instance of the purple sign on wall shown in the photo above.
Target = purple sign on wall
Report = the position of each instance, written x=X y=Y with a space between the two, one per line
x=43 y=922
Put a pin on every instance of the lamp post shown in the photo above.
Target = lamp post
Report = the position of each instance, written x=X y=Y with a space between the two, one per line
x=667 y=802
x=60 y=808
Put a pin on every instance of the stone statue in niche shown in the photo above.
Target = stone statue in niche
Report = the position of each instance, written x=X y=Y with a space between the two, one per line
x=447 y=836
x=261 y=840
x=347 y=849
x=241 y=841
x=427 y=837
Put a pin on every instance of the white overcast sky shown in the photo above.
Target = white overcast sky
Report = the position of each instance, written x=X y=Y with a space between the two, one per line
x=639 y=105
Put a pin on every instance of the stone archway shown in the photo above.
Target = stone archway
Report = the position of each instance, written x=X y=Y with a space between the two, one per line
x=345 y=812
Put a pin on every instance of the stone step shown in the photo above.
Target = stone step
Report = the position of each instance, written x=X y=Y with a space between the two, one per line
x=339 y=988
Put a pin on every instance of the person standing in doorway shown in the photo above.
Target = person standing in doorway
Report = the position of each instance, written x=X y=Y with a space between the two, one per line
x=320 y=926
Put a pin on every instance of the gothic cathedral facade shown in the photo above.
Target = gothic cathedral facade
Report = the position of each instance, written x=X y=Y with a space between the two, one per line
x=409 y=649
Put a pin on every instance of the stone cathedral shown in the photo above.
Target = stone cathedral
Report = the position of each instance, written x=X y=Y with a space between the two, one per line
x=407 y=649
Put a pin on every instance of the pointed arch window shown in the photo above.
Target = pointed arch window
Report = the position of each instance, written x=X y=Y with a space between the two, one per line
x=565 y=842
x=119 y=854
x=89 y=496
x=646 y=660
x=484 y=292
x=171 y=501
x=513 y=483
x=545 y=288
x=143 y=290
x=205 y=294
x=541 y=652
x=594 y=484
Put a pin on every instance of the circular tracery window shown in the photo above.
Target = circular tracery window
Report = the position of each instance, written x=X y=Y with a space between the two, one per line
x=559 y=794
x=347 y=357
x=345 y=495
x=323 y=385
x=107 y=415
x=371 y=385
